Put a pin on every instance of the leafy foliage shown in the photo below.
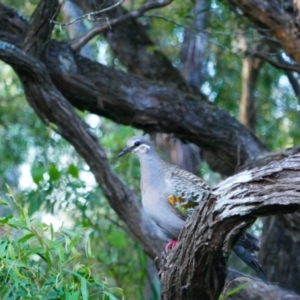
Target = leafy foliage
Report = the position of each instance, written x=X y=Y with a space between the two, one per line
x=37 y=262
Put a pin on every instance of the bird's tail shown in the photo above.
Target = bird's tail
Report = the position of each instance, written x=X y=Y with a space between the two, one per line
x=246 y=248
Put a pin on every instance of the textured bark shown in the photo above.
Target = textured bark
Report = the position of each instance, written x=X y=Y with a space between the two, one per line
x=143 y=104
x=214 y=226
x=268 y=157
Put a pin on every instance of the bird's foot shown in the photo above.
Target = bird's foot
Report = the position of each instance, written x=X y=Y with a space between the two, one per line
x=171 y=245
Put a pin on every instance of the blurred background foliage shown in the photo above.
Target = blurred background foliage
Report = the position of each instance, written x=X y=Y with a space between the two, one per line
x=54 y=184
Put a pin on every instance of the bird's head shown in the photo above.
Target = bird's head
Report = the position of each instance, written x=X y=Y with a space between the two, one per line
x=138 y=145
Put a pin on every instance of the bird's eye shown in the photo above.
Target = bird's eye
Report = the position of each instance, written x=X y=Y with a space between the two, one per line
x=137 y=143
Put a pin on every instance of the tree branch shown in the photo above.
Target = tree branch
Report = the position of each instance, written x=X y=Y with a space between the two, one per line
x=282 y=65
x=80 y=41
x=152 y=107
x=40 y=27
x=215 y=225
x=88 y=15
x=51 y=106
x=268 y=157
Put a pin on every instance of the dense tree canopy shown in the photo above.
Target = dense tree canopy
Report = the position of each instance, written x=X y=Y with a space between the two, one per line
x=216 y=86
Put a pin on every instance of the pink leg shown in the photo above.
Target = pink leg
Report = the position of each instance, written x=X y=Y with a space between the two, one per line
x=171 y=245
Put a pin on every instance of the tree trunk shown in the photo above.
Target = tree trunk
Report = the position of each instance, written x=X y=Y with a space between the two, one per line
x=250 y=71
x=281 y=242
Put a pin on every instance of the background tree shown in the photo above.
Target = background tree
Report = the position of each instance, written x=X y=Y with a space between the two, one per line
x=185 y=70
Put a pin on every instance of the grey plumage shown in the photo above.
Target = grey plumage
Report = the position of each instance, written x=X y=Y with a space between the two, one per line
x=160 y=180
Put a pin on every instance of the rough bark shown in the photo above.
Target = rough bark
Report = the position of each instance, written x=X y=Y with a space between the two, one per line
x=214 y=226
x=278 y=22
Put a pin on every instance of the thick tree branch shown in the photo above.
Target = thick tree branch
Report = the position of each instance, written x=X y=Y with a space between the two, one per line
x=152 y=107
x=209 y=234
x=40 y=27
x=130 y=43
x=156 y=108
x=267 y=157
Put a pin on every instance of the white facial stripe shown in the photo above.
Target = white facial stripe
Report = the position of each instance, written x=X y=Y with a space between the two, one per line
x=141 y=149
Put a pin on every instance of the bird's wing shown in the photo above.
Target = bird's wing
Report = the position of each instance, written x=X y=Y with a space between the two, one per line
x=188 y=190
x=188 y=185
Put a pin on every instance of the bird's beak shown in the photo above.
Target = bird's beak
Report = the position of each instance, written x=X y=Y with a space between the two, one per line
x=123 y=152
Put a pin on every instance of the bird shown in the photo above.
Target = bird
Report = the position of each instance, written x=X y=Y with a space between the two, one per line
x=169 y=195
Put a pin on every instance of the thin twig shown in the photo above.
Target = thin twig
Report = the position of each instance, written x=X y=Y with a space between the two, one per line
x=88 y=15
x=279 y=65
x=293 y=81
x=77 y=43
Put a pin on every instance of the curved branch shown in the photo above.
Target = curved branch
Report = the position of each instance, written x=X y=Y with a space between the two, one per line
x=51 y=106
x=131 y=100
x=209 y=234
x=280 y=64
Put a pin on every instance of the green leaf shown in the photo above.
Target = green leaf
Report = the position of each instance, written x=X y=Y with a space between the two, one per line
x=53 y=172
x=25 y=238
x=73 y=241
x=236 y=290
x=83 y=289
x=37 y=174
x=73 y=171
x=3 y=248
x=72 y=296
x=88 y=249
